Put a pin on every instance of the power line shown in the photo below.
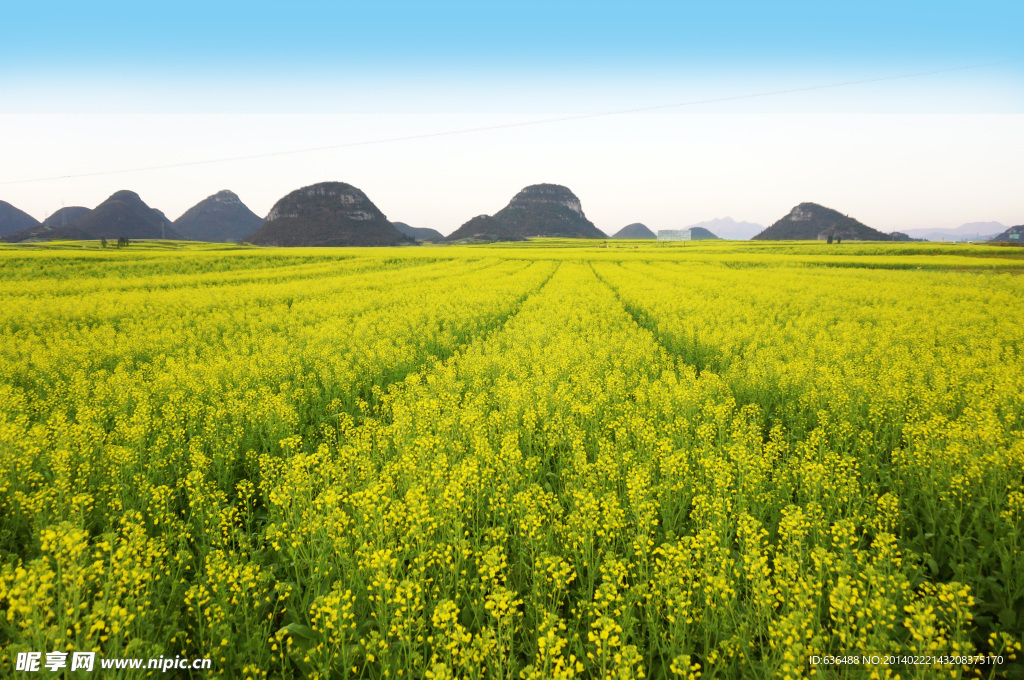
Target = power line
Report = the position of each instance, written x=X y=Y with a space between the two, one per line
x=506 y=126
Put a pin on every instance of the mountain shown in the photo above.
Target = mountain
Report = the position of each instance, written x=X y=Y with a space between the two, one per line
x=327 y=214
x=46 y=232
x=635 y=230
x=221 y=218
x=484 y=228
x=419 y=233
x=537 y=210
x=972 y=231
x=66 y=216
x=808 y=221
x=12 y=219
x=701 y=234
x=972 y=228
x=1011 y=235
x=125 y=214
x=728 y=228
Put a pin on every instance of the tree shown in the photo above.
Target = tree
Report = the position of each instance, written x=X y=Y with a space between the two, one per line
x=103 y=243
x=830 y=239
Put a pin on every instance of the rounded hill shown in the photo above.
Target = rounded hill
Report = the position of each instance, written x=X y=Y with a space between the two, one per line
x=66 y=216
x=327 y=214
x=220 y=218
x=14 y=219
x=125 y=214
x=537 y=210
x=634 y=231
x=810 y=221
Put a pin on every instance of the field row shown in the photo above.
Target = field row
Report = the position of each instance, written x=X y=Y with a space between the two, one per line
x=504 y=467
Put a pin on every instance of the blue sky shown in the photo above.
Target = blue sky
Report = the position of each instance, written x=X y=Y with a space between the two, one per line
x=197 y=47
x=471 y=36
x=102 y=86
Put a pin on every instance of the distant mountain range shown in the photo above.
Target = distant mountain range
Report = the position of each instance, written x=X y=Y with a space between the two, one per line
x=220 y=218
x=638 y=231
x=327 y=214
x=419 y=233
x=728 y=228
x=537 y=210
x=972 y=231
x=810 y=221
x=124 y=214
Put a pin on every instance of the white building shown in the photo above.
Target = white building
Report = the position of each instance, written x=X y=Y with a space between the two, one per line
x=674 y=234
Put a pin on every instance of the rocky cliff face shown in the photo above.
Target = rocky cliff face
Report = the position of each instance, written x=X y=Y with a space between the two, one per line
x=221 y=218
x=537 y=210
x=327 y=214
x=13 y=220
x=547 y=195
x=808 y=221
x=125 y=214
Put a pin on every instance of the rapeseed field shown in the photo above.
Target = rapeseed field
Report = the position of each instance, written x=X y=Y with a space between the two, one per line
x=552 y=460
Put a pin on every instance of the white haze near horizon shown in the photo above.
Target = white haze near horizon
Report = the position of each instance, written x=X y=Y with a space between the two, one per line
x=892 y=171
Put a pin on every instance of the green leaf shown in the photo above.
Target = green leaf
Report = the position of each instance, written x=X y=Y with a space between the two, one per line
x=1007 y=617
x=304 y=632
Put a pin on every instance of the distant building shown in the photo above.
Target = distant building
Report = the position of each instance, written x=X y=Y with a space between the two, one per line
x=675 y=234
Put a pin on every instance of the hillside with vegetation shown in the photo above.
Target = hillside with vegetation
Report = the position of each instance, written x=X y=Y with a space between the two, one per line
x=220 y=218
x=14 y=219
x=66 y=215
x=46 y=232
x=419 y=233
x=810 y=221
x=327 y=214
x=1012 y=235
x=125 y=215
x=538 y=210
x=635 y=231
x=701 y=234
